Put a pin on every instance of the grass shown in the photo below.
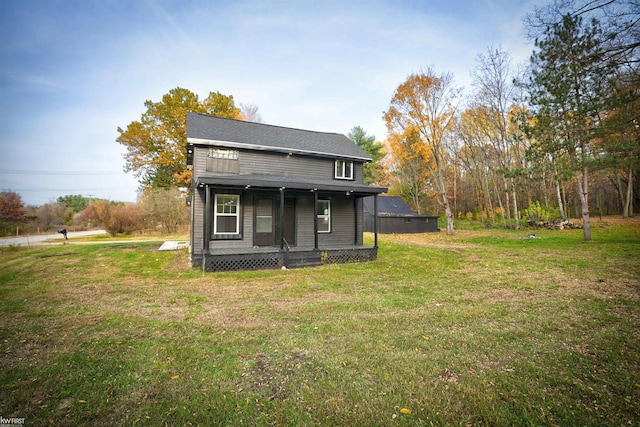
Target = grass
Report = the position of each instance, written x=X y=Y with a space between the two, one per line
x=479 y=328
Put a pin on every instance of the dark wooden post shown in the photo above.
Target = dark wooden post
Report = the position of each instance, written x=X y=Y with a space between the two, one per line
x=281 y=219
x=355 y=221
x=208 y=216
x=375 y=221
x=315 y=219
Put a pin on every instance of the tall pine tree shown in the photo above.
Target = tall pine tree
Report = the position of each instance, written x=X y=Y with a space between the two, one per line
x=569 y=91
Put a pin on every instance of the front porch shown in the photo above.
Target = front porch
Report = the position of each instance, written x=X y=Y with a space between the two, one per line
x=265 y=258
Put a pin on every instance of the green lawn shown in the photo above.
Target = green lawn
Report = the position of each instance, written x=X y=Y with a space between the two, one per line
x=480 y=328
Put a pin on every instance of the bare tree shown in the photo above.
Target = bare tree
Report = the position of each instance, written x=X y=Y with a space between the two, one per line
x=493 y=81
x=250 y=113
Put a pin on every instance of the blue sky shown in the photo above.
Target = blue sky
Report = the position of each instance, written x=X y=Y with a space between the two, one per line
x=72 y=71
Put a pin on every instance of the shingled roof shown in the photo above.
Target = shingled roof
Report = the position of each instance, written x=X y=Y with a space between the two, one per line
x=390 y=206
x=211 y=130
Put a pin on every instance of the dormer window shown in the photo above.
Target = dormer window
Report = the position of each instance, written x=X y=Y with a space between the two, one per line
x=344 y=169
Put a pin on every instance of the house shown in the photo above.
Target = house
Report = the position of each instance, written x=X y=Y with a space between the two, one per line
x=394 y=216
x=267 y=196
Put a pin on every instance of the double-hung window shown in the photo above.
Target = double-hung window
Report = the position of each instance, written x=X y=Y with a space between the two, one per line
x=344 y=169
x=324 y=216
x=226 y=214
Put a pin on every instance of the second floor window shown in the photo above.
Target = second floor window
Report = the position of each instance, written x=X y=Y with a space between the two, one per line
x=344 y=169
x=221 y=153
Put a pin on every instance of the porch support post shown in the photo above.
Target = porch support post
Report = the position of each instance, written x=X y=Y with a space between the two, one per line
x=355 y=221
x=281 y=219
x=208 y=213
x=315 y=219
x=375 y=221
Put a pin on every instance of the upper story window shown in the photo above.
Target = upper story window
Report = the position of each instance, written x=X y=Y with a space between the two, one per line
x=222 y=160
x=222 y=153
x=344 y=169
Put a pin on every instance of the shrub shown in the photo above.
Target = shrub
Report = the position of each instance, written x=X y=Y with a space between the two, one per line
x=539 y=213
x=124 y=219
x=114 y=218
x=165 y=208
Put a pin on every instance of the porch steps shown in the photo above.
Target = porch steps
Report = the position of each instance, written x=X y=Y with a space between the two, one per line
x=302 y=259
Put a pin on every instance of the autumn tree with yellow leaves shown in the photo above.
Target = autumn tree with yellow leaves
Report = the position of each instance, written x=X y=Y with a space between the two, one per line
x=408 y=168
x=420 y=119
x=492 y=145
x=156 y=144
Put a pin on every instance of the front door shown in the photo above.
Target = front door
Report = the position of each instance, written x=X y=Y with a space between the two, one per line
x=265 y=225
x=289 y=222
x=267 y=221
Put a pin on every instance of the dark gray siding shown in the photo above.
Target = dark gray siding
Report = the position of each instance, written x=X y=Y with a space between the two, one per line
x=263 y=163
x=200 y=160
x=344 y=219
x=342 y=223
x=400 y=225
x=291 y=166
x=197 y=224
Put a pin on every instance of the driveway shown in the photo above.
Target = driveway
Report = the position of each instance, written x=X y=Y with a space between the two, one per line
x=39 y=239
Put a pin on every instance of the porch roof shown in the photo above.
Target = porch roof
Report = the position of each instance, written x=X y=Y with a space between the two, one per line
x=277 y=182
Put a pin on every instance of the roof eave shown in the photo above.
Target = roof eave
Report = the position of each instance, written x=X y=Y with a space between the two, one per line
x=258 y=147
x=248 y=182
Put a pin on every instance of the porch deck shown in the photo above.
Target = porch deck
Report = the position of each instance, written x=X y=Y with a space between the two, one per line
x=294 y=257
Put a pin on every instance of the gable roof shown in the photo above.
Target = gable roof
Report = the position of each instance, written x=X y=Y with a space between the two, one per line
x=210 y=130
x=390 y=206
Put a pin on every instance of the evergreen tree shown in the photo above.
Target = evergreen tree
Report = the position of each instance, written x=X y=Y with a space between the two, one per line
x=373 y=170
x=568 y=92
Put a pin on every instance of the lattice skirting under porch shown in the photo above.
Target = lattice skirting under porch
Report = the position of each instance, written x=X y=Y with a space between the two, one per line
x=257 y=261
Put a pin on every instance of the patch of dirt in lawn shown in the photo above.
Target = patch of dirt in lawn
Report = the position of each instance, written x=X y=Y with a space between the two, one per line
x=224 y=302
x=34 y=341
x=605 y=287
x=437 y=240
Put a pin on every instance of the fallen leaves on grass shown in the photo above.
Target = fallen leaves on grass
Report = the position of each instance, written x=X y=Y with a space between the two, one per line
x=449 y=376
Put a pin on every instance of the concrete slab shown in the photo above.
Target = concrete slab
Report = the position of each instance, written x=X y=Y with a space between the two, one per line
x=173 y=245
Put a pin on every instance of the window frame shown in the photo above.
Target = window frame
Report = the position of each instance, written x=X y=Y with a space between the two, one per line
x=323 y=216
x=222 y=153
x=343 y=169
x=237 y=214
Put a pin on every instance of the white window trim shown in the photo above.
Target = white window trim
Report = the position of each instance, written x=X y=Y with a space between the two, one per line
x=222 y=153
x=341 y=172
x=328 y=216
x=216 y=214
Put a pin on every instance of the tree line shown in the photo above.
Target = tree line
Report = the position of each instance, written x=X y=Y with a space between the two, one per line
x=162 y=210
x=557 y=137
x=554 y=138
x=544 y=138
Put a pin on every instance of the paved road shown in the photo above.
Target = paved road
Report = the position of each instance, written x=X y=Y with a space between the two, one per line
x=39 y=239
